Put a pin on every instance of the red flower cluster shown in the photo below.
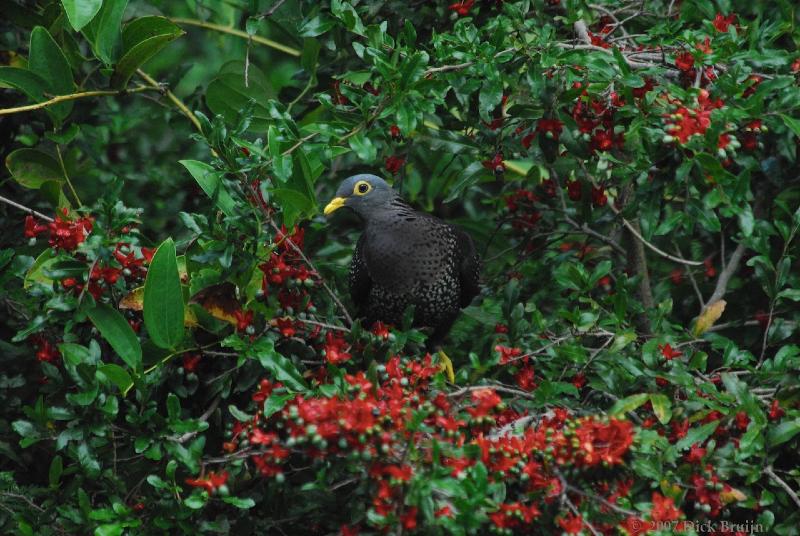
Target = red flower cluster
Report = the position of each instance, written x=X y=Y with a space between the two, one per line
x=721 y=22
x=521 y=204
x=668 y=352
x=210 y=483
x=45 y=350
x=595 y=120
x=65 y=233
x=683 y=122
x=495 y=164
x=462 y=8
x=335 y=352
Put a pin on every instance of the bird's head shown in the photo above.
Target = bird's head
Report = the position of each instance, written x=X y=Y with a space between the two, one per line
x=364 y=194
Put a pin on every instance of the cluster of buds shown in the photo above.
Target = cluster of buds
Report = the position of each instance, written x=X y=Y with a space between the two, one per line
x=682 y=122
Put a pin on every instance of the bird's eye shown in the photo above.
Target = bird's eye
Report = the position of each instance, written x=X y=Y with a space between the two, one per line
x=362 y=188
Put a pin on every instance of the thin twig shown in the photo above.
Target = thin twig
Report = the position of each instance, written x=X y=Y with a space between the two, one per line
x=172 y=97
x=72 y=96
x=726 y=274
x=238 y=33
x=782 y=483
x=26 y=209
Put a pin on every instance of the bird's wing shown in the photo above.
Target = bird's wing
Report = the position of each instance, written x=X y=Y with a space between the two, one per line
x=469 y=267
x=360 y=281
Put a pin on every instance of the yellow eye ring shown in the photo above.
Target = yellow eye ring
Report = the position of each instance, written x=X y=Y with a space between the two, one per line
x=362 y=188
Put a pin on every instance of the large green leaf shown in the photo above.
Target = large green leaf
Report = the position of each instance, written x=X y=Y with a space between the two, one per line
x=163 y=298
x=119 y=334
x=32 y=168
x=281 y=368
x=49 y=62
x=81 y=12
x=30 y=83
x=104 y=32
x=210 y=180
x=116 y=375
x=227 y=93
x=141 y=40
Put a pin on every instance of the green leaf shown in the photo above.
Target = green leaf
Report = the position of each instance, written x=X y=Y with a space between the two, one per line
x=56 y=469
x=110 y=529
x=104 y=32
x=116 y=375
x=81 y=12
x=243 y=503
x=628 y=404
x=227 y=94
x=363 y=147
x=275 y=403
x=31 y=168
x=48 y=61
x=142 y=38
x=119 y=334
x=210 y=181
x=196 y=500
x=75 y=354
x=697 y=435
x=282 y=369
x=783 y=432
x=792 y=123
x=30 y=83
x=238 y=414
x=662 y=407
x=163 y=299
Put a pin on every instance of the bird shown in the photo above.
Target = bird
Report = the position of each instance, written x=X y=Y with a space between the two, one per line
x=406 y=257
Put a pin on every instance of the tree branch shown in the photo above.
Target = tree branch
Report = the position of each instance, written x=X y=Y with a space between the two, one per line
x=73 y=96
x=726 y=274
x=26 y=209
x=172 y=97
x=782 y=483
x=238 y=33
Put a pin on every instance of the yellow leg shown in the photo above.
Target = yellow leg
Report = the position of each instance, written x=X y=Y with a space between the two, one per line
x=447 y=366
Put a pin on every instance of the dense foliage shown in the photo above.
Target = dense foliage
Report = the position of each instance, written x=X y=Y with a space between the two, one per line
x=178 y=352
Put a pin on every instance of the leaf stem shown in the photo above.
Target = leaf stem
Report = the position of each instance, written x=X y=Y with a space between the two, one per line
x=66 y=176
x=72 y=96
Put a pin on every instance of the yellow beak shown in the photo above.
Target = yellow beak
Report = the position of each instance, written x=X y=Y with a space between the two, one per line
x=335 y=204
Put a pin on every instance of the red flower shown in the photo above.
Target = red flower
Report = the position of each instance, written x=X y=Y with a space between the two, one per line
x=394 y=163
x=710 y=270
x=676 y=276
x=775 y=410
x=525 y=378
x=334 y=349
x=572 y=524
x=664 y=509
x=579 y=380
x=599 y=197
x=394 y=131
x=45 y=350
x=696 y=454
x=243 y=319
x=67 y=234
x=380 y=329
x=507 y=354
x=684 y=61
x=550 y=128
x=32 y=228
x=409 y=519
x=604 y=442
x=190 y=362
x=742 y=420
x=210 y=483
x=462 y=8
x=574 y=190
x=668 y=352
x=704 y=47
x=495 y=164
x=346 y=530
x=486 y=400
x=286 y=327
x=722 y=22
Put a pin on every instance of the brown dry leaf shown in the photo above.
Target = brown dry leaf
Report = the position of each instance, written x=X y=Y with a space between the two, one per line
x=709 y=316
x=219 y=301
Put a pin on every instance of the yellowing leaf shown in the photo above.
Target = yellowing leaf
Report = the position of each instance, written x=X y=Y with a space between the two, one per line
x=134 y=301
x=732 y=495
x=219 y=301
x=708 y=317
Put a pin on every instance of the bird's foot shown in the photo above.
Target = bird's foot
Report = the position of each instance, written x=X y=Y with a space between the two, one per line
x=447 y=366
